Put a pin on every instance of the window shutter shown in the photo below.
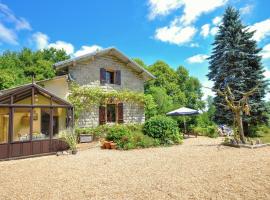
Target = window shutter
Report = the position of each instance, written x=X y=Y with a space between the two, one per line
x=120 y=113
x=118 y=77
x=102 y=76
x=102 y=115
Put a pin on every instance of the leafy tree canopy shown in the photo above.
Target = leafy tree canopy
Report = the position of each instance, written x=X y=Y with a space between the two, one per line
x=18 y=67
x=173 y=88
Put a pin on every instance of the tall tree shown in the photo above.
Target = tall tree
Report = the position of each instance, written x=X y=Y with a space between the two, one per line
x=235 y=62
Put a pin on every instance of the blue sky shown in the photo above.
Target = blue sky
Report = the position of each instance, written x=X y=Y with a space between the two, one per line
x=180 y=32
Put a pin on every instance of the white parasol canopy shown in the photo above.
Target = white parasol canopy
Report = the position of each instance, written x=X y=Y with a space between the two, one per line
x=183 y=111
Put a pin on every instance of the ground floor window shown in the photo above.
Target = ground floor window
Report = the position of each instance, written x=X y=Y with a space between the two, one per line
x=111 y=113
x=41 y=123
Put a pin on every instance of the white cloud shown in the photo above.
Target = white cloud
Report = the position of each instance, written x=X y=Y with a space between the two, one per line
x=246 y=9
x=267 y=73
x=206 y=85
x=205 y=29
x=262 y=29
x=10 y=25
x=266 y=52
x=7 y=35
x=194 y=45
x=175 y=34
x=217 y=20
x=214 y=31
x=162 y=7
x=267 y=76
x=181 y=30
x=194 y=9
x=68 y=47
x=41 y=40
x=9 y=16
x=199 y=58
x=87 y=49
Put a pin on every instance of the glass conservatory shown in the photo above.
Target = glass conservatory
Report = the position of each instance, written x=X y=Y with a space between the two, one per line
x=30 y=120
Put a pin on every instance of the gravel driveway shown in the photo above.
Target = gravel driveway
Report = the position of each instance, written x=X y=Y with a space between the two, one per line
x=198 y=169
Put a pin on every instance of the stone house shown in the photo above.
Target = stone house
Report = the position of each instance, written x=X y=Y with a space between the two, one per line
x=108 y=69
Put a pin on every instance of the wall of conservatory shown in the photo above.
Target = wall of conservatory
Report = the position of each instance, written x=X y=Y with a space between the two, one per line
x=31 y=119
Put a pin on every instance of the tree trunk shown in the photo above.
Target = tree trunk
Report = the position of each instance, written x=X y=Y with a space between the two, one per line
x=240 y=126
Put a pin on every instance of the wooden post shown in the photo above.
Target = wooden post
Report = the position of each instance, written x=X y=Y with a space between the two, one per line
x=10 y=138
x=31 y=114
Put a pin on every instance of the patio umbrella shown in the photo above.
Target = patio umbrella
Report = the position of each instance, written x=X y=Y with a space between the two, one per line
x=183 y=112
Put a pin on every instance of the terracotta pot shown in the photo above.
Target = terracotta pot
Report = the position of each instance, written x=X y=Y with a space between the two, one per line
x=113 y=145
x=107 y=145
x=103 y=146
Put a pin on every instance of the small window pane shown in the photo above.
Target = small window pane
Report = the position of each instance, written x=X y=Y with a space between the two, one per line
x=111 y=113
x=4 y=124
x=41 y=124
x=21 y=124
x=59 y=121
x=109 y=77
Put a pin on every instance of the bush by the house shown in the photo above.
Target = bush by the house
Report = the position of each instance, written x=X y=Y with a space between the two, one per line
x=129 y=137
x=103 y=130
x=164 y=129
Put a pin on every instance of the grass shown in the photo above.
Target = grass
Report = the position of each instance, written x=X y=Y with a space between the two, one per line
x=265 y=138
x=264 y=133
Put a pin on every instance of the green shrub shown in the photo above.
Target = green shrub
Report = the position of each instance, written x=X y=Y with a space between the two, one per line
x=126 y=139
x=69 y=137
x=144 y=141
x=209 y=131
x=259 y=130
x=163 y=128
x=121 y=135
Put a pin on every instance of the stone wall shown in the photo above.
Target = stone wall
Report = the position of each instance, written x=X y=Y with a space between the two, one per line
x=133 y=113
x=88 y=74
x=89 y=118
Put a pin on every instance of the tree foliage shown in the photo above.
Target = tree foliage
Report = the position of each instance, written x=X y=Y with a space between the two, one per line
x=18 y=67
x=173 y=88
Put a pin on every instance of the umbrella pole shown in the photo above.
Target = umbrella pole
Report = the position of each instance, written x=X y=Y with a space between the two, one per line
x=185 y=127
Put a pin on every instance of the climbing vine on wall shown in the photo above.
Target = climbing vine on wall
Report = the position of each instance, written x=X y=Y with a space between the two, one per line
x=84 y=98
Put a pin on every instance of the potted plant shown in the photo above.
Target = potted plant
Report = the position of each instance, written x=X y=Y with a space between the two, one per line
x=107 y=144
x=85 y=135
x=70 y=138
x=113 y=145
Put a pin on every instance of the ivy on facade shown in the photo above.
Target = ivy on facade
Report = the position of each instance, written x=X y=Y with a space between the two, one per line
x=85 y=98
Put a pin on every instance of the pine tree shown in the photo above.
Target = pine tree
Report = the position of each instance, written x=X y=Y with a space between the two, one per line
x=235 y=62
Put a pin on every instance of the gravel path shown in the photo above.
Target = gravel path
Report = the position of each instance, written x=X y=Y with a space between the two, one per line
x=198 y=169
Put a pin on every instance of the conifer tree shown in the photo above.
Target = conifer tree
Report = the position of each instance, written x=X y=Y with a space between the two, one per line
x=235 y=62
